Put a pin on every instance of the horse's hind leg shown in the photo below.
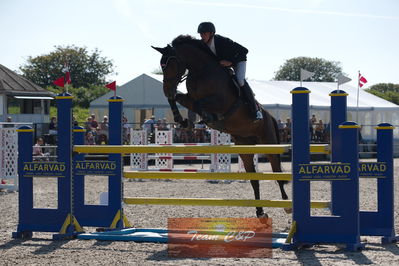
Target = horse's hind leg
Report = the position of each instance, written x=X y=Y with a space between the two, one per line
x=249 y=166
x=275 y=162
x=276 y=167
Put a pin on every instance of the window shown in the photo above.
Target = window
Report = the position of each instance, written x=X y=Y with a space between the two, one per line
x=27 y=106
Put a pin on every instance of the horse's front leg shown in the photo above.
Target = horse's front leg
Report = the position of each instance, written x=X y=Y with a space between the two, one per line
x=176 y=114
x=248 y=160
x=185 y=100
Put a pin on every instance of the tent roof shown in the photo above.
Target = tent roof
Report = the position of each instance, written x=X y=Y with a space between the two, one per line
x=278 y=92
x=144 y=90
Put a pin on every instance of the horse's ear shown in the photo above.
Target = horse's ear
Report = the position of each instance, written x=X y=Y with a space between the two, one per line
x=161 y=50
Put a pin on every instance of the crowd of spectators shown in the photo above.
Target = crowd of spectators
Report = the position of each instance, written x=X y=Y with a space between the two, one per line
x=198 y=134
x=319 y=131
x=97 y=132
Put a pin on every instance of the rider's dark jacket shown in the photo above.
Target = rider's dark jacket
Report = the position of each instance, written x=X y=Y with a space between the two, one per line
x=227 y=49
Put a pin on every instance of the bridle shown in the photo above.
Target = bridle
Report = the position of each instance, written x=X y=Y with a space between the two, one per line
x=178 y=78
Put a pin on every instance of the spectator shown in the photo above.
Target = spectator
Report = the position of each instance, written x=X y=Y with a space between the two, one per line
x=74 y=122
x=199 y=132
x=281 y=131
x=126 y=130
x=88 y=125
x=312 y=123
x=319 y=130
x=90 y=140
x=53 y=126
x=8 y=121
x=103 y=131
x=162 y=125
x=149 y=124
x=287 y=129
x=94 y=123
x=38 y=153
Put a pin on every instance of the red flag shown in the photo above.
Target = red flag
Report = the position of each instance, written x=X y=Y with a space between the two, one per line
x=362 y=80
x=68 y=77
x=59 y=82
x=111 y=86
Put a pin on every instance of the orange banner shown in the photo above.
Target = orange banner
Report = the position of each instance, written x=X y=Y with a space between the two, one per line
x=220 y=237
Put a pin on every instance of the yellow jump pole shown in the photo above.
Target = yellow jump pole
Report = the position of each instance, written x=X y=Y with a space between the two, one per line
x=237 y=149
x=211 y=176
x=220 y=202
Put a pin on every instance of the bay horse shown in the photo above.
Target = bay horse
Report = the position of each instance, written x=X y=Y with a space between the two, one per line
x=212 y=94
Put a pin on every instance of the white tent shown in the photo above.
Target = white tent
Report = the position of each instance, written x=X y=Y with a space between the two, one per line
x=144 y=97
x=275 y=96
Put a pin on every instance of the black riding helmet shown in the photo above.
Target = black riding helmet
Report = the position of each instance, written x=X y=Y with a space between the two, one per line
x=206 y=27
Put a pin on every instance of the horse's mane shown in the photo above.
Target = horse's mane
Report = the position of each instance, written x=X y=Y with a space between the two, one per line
x=185 y=39
x=190 y=40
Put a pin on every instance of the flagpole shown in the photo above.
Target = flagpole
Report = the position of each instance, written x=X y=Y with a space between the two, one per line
x=357 y=99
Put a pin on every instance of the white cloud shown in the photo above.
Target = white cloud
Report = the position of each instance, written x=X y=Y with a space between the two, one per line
x=314 y=3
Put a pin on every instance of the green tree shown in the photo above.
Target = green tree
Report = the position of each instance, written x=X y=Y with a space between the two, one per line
x=325 y=71
x=387 y=91
x=157 y=71
x=86 y=68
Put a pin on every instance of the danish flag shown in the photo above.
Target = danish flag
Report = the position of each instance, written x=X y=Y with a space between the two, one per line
x=362 y=80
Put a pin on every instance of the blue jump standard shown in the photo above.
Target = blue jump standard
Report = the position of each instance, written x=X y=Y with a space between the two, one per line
x=153 y=235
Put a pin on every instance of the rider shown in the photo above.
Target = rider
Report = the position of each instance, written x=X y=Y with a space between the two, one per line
x=230 y=54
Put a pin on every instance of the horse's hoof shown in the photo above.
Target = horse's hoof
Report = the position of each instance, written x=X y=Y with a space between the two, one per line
x=262 y=215
x=288 y=210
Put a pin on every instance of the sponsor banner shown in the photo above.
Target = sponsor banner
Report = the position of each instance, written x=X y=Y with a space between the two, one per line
x=44 y=169
x=95 y=167
x=220 y=237
x=340 y=171
x=373 y=169
x=324 y=172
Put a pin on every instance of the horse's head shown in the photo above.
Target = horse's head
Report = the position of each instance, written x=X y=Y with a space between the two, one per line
x=173 y=69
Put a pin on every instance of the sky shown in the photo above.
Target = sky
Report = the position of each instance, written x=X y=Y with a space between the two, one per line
x=363 y=35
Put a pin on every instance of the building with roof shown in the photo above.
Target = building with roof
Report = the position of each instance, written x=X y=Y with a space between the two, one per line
x=21 y=99
x=144 y=97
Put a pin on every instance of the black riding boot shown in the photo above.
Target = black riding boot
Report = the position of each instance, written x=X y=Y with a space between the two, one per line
x=249 y=96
